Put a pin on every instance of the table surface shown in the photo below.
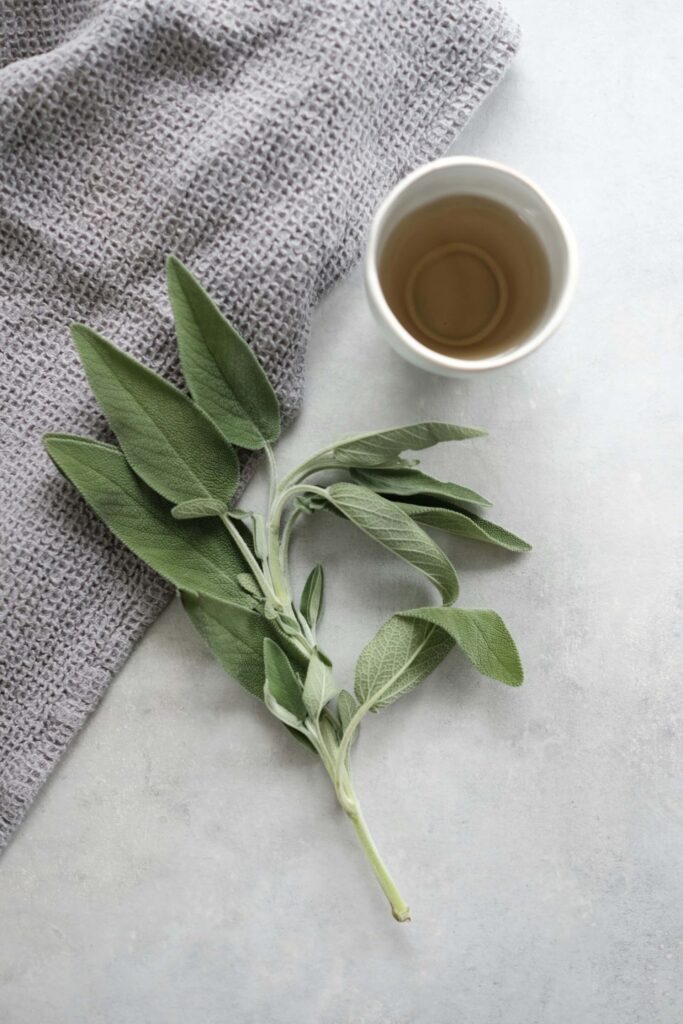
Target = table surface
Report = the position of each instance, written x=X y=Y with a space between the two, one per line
x=187 y=862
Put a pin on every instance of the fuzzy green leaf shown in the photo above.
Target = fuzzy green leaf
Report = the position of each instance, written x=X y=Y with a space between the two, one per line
x=481 y=635
x=405 y=482
x=224 y=376
x=190 y=555
x=319 y=687
x=390 y=526
x=199 y=508
x=282 y=679
x=465 y=524
x=380 y=446
x=400 y=655
x=247 y=582
x=235 y=635
x=346 y=708
x=281 y=713
x=329 y=733
x=312 y=596
x=167 y=440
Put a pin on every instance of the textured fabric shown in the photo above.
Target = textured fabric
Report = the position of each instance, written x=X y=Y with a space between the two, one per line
x=251 y=138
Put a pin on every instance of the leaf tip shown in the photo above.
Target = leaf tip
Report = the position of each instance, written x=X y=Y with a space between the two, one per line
x=175 y=268
x=53 y=443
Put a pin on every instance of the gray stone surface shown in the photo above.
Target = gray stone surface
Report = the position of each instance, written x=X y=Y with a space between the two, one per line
x=187 y=863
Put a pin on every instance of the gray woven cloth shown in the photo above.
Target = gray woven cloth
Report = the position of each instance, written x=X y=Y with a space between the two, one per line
x=251 y=138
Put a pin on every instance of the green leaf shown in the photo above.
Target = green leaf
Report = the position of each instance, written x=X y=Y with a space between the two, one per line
x=400 y=655
x=346 y=708
x=376 y=448
x=198 y=508
x=280 y=712
x=328 y=731
x=481 y=635
x=167 y=440
x=282 y=679
x=260 y=537
x=192 y=556
x=249 y=585
x=389 y=525
x=235 y=635
x=465 y=524
x=224 y=376
x=404 y=482
x=310 y=503
x=312 y=596
x=319 y=687
x=288 y=625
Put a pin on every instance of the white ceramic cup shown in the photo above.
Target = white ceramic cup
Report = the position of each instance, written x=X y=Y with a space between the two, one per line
x=466 y=175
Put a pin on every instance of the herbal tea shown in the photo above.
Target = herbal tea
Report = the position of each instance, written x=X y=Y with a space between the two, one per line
x=466 y=276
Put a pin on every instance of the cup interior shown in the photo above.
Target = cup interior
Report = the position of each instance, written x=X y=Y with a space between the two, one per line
x=455 y=176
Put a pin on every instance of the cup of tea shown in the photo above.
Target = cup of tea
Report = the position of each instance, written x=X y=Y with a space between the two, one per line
x=469 y=266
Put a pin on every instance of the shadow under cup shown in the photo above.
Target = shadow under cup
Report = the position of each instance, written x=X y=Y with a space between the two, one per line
x=469 y=266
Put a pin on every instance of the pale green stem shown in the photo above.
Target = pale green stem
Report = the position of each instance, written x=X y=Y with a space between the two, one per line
x=277 y=563
x=249 y=558
x=349 y=803
x=316 y=464
x=277 y=570
x=272 y=475
x=348 y=736
x=399 y=907
x=286 y=538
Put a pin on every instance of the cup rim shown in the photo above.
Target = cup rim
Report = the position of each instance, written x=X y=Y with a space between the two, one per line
x=438 y=359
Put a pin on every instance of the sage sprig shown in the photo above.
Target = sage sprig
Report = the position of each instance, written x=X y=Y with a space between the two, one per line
x=167 y=491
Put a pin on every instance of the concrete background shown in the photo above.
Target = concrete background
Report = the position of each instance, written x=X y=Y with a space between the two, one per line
x=187 y=863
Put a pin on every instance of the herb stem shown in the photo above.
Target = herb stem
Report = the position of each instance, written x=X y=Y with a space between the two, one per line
x=286 y=537
x=272 y=474
x=249 y=558
x=399 y=908
x=316 y=464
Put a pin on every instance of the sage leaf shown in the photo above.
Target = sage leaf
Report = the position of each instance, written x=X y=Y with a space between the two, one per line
x=481 y=635
x=168 y=441
x=329 y=733
x=238 y=514
x=192 y=556
x=374 y=449
x=312 y=596
x=288 y=625
x=404 y=482
x=282 y=679
x=198 y=508
x=310 y=503
x=319 y=687
x=249 y=585
x=277 y=709
x=465 y=524
x=224 y=376
x=235 y=635
x=390 y=526
x=401 y=654
x=346 y=708
x=260 y=536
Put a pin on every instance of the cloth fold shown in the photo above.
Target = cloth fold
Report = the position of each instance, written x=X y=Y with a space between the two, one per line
x=251 y=138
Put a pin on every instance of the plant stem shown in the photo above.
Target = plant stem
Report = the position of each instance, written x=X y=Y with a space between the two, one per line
x=272 y=474
x=248 y=557
x=337 y=767
x=399 y=908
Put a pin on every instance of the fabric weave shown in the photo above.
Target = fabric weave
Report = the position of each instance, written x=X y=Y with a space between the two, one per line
x=251 y=138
